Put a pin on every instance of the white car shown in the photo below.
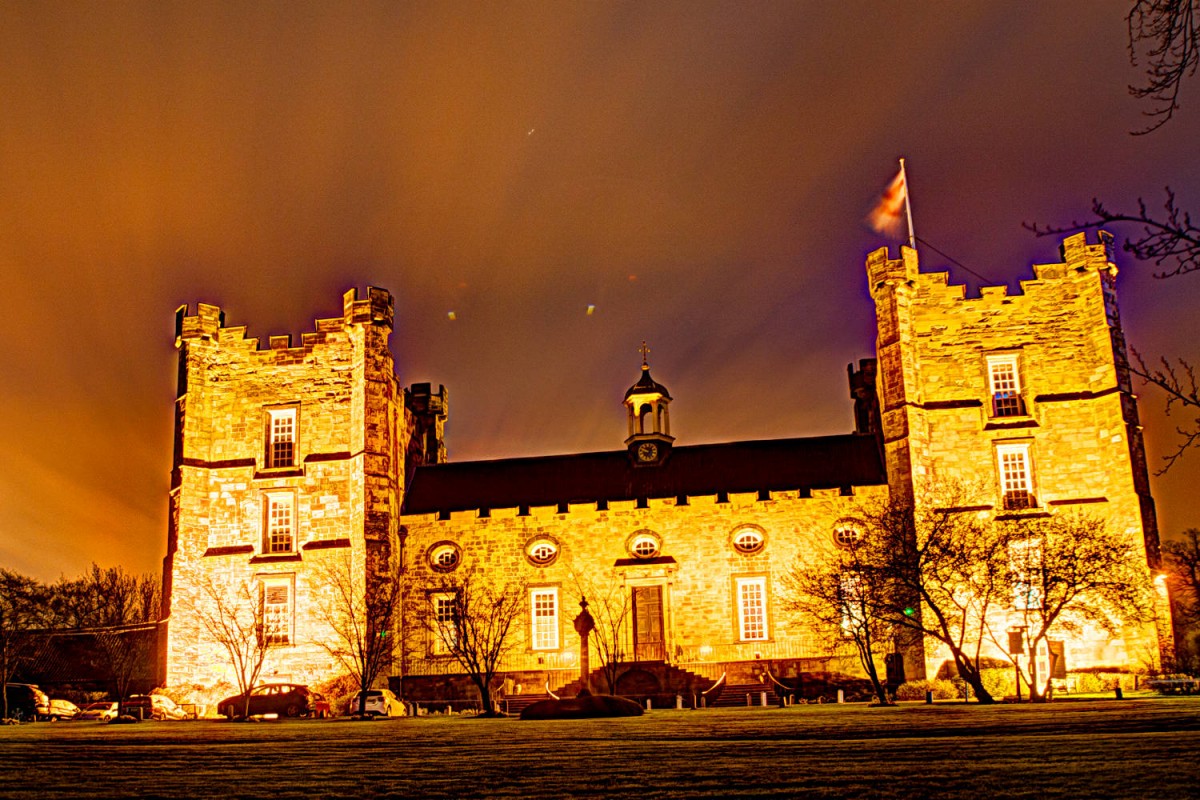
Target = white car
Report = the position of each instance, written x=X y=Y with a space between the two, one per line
x=380 y=703
x=62 y=709
x=103 y=711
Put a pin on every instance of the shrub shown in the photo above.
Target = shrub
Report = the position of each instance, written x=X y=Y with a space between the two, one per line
x=915 y=690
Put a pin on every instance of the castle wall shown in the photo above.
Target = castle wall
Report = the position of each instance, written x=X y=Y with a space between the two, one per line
x=1078 y=421
x=698 y=582
x=350 y=431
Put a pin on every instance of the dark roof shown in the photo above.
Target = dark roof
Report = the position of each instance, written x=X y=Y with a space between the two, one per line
x=647 y=384
x=826 y=462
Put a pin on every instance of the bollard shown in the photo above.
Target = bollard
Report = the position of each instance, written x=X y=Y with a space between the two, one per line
x=647 y=703
x=703 y=701
x=748 y=702
x=1120 y=694
x=762 y=699
x=841 y=696
x=678 y=702
x=929 y=698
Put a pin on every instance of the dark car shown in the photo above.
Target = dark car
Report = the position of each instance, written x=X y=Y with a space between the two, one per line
x=26 y=701
x=284 y=699
x=152 y=706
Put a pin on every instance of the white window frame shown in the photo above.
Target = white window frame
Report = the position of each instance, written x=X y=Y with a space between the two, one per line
x=279 y=619
x=282 y=428
x=279 y=517
x=1004 y=383
x=757 y=540
x=543 y=618
x=750 y=597
x=1014 y=466
x=1024 y=560
x=442 y=609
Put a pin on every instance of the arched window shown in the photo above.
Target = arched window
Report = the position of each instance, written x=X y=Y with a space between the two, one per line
x=749 y=539
x=644 y=412
x=645 y=544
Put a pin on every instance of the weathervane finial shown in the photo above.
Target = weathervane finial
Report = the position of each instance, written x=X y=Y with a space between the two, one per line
x=645 y=351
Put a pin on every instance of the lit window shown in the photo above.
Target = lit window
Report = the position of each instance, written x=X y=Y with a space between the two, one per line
x=748 y=540
x=444 y=556
x=445 y=615
x=645 y=545
x=1025 y=567
x=752 y=608
x=1005 y=386
x=1016 y=476
x=277 y=610
x=542 y=552
x=280 y=522
x=847 y=535
x=281 y=438
x=850 y=600
x=544 y=605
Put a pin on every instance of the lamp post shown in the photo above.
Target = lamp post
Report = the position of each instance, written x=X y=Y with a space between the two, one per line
x=583 y=626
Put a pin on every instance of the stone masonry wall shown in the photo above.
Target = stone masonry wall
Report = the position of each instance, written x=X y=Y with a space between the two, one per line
x=350 y=413
x=699 y=611
x=1080 y=416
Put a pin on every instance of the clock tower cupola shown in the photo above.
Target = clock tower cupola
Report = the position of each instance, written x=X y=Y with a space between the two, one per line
x=646 y=404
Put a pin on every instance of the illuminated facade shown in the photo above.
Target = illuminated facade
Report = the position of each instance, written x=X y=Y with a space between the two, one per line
x=288 y=454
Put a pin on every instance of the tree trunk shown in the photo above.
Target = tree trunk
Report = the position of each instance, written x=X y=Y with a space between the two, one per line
x=968 y=672
x=483 y=684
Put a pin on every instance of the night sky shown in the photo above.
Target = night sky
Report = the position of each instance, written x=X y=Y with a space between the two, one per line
x=698 y=172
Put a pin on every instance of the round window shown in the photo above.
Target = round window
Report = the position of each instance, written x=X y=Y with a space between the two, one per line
x=748 y=540
x=645 y=545
x=542 y=552
x=847 y=535
x=444 y=556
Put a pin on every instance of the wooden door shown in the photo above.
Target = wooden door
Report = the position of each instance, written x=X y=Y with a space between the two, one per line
x=648 y=643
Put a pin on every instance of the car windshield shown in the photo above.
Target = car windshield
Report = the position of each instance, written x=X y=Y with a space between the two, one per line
x=97 y=706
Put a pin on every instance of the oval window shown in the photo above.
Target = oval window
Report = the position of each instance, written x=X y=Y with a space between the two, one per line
x=542 y=552
x=748 y=540
x=644 y=545
x=847 y=535
x=444 y=556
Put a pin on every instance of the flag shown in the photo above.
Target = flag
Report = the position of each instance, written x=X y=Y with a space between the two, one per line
x=888 y=215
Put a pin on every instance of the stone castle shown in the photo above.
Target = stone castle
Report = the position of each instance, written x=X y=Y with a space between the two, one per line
x=291 y=456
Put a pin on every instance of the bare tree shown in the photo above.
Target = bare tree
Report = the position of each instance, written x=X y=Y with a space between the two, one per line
x=22 y=615
x=611 y=609
x=361 y=611
x=1165 y=33
x=123 y=653
x=1183 y=562
x=234 y=615
x=844 y=594
x=943 y=565
x=1065 y=571
x=472 y=620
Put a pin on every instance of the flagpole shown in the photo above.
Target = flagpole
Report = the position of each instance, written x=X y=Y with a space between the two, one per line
x=912 y=237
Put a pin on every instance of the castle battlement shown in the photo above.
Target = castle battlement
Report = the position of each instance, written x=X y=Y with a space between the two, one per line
x=208 y=323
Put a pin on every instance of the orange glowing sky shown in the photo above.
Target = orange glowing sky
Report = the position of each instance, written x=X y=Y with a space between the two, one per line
x=698 y=172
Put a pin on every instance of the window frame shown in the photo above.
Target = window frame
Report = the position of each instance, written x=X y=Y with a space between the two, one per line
x=1010 y=453
x=1013 y=397
x=539 y=542
x=743 y=621
x=644 y=536
x=269 y=499
x=1024 y=557
x=438 y=644
x=748 y=530
x=544 y=637
x=270 y=622
x=431 y=556
x=289 y=412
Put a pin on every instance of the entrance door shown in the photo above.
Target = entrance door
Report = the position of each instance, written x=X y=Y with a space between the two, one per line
x=648 y=644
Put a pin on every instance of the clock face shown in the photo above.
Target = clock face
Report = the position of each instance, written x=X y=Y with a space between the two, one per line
x=647 y=451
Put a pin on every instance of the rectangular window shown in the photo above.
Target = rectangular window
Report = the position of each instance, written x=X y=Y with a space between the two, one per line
x=1025 y=567
x=850 y=600
x=1004 y=384
x=1016 y=476
x=280 y=522
x=281 y=438
x=752 y=608
x=445 y=632
x=277 y=610
x=544 y=607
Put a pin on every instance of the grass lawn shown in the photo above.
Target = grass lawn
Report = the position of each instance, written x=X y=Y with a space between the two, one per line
x=1145 y=748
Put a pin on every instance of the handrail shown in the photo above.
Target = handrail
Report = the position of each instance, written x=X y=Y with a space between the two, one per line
x=783 y=686
x=720 y=680
x=552 y=694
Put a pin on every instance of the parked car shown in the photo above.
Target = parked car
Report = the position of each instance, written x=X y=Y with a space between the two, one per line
x=103 y=711
x=152 y=706
x=380 y=703
x=62 y=709
x=284 y=699
x=26 y=701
